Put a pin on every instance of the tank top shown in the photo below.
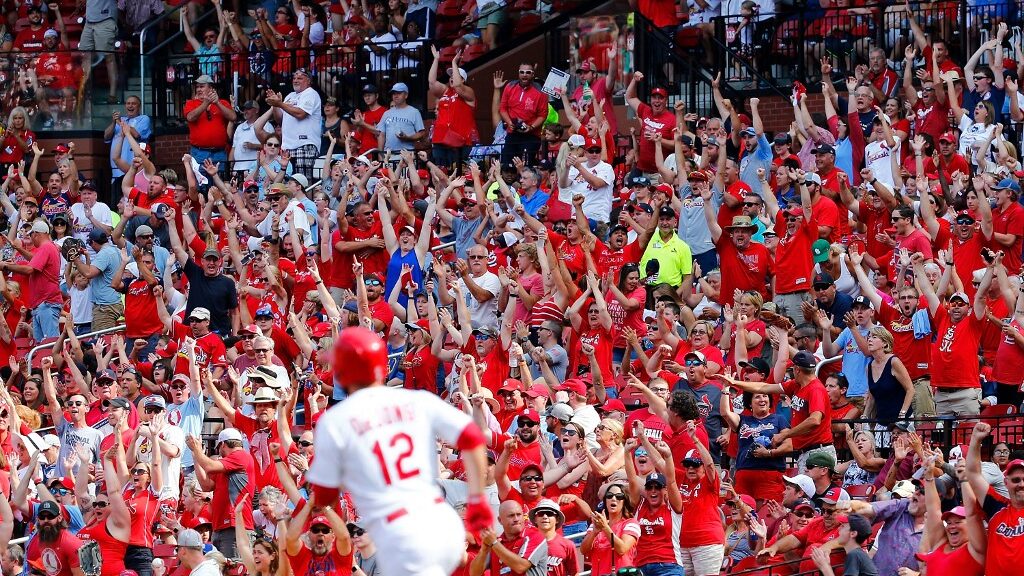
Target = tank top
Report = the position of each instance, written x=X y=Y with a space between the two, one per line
x=958 y=562
x=111 y=549
x=394 y=272
x=456 y=120
x=659 y=534
x=545 y=310
x=887 y=393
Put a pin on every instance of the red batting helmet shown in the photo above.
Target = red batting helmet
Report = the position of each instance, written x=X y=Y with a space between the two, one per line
x=360 y=358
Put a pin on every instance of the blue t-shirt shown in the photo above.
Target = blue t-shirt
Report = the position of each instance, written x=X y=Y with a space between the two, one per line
x=758 y=432
x=189 y=417
x=855 y=363
x=108 y=260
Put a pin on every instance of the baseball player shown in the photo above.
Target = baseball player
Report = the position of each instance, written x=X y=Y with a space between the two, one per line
x=380 y=445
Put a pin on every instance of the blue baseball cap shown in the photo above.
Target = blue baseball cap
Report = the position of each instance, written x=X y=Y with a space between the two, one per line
x=1007 y=184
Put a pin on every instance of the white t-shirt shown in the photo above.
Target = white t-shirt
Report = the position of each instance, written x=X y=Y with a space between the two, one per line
x=245 y=159
x=597 y=203
x=296 y=133
x=298 y=218
x=878 y=158
x=482 y=313
x=382 y=62
x=82 y=226
x=972 y=135
x=170 y=467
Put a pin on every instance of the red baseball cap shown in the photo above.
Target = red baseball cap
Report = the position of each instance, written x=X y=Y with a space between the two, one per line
x=531 y=415
x=659 y=92
x=574 y=385
x=591 y=143
x=698 y=176
x=321 y=329
x=319 y=519
x=1018 y=463
x=537 y=391
x=666 y=188
x=511 y=385
x=832 y=495
x=612 y=405
x=948 y=137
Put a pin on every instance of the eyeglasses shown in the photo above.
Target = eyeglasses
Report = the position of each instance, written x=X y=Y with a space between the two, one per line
x=616 y=495
x=177 y=387
x=828 y=511
x=1002 y=452
x=304 y=443
x=478 y=257
x=261 y=350
x=659 y=390
x=372 y=282
x=537 y=478
x=320 y=530
x=139 y=472
x=804 y=514
x=100 y=504
x=78 y=403
x=545 y=514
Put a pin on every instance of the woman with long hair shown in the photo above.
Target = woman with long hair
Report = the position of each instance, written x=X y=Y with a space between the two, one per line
x=607 y=461
x=610 y=543
x=525 y=280
x=110 y=519
x=747 y=304
x=263 y=558
x=626 y=299
x=976 y=126
x=269 y=162
x=18 y=139
x=570 y=472
x=759 y=466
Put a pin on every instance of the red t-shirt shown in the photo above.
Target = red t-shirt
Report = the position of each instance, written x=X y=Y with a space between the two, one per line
x=702 y=521
x=140 y=318
x=1009 y=220
x=602 y=340
x=210 y=129
x=662 y=124
x=654 y=427
x=814 y=535
x=793 y=263
x=210 y=348
x=955 y=351
x=29 y=40
x=1005 y=545
x=805 y=401
x=561 y=557
x=525 y=545
x=44 y=281
x=614 y=260
x=992 y=332
x=746 y=270
x=367 y=140
x=524 y=455
x=603 y=560
x=305 y=563
x=375 y=260
x=967 y=258
x=229 y=485
x=916 y=241
x=59 y=557
x=824 y=212
x=876 y=220
x=422 y=375
x=931 y=120
x=495 y=365
x=571 y=254
x=1008 y=367
x=914 y=352
x=144 y=507
x=657 y=527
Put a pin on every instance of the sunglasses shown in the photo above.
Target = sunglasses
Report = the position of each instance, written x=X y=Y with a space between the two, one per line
x=478 y=257
x=304 y=443
x=531 y=478
x=653 y=487
x=355 y=531
x=320 y=530
x=372 y=282
x=273 y=197
x=483 y=337
x=139 y=472
x=100 y=504
x=804 y=514
x=178 y=387
x=570 y=432
x=694 y=362
x=751 y=203
x=45 y=517
x=261 y=350
x=545 y=514
x=526 y=424
x=154 y=410
x=617 y=496
x=57 y=491
x=691 y=464
x=249 y=337
x=78 y=403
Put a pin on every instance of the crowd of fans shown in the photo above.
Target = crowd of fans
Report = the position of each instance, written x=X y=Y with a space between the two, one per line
x=710 y=352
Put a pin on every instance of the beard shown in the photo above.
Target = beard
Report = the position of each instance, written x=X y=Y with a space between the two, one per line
x=50 y=533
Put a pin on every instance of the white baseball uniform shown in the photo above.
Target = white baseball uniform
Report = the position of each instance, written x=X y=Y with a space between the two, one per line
x=380 y=445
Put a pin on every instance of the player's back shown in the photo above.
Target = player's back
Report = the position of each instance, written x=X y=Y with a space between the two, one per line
x=380 y=444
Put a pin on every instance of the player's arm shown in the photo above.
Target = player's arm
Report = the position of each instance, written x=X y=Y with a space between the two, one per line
x=342 y=539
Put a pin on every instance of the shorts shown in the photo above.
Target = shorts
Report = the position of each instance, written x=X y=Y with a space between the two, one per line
x=428 y=540
x=761 y=484
x=98 y=36
x=703 y=560
x=106 y=315
x=788 y=305
x=962 y=402
x=495 y=15
x=661 y=569
x=305 y=158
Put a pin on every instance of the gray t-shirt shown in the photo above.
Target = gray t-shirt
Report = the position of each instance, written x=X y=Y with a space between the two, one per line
x=693 y=227
x=395 y=121
x=108 y=260
x=71 y=438
x=464 y=229
x=858 y=563
x=100 y=10
x=559 y=361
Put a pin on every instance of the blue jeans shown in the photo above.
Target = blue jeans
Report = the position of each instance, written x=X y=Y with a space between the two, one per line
x=151 y=343
x=218 y=157
x=45 y=321
x=708 y=261
x=661 y=569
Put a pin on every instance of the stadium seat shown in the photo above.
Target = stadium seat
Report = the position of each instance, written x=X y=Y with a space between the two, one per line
x=527 y=22
x=474 y=51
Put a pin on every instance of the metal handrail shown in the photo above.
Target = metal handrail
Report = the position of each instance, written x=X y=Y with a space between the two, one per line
x=92 y=334
x=826 y=362
x=142 y=47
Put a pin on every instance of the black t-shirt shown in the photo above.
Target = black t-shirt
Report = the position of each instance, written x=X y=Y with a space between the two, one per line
x=217 y=294
x=858 y=563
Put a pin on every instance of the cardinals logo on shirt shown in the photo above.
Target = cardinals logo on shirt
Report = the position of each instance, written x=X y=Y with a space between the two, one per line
x=797 y=403
x=1011 y=531
x=50 y=560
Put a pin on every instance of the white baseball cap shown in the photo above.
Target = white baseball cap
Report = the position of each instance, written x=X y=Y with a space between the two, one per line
x=229 y=434
x=803 y=482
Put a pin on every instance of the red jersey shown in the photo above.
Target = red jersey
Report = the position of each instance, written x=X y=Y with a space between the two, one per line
x=824 y=212
x=603 y=560
x=145 y=508
x=955 y=351
x=1009 y=220
x=305 y=563
x=814 y=535
x=375 y=260
x=702 y=521
x=931 y=120
x=571 y=254
x=914 y=352
x=29 y=40
x=524 y=104
x=794 y=269
x=657 y=526
x=210 y=348
x=805 y=401
x=140 y=318
x=654 y=427
x=422 y=374
x=367 y=140
x=1008 y=367
x=614 y=261
x=603 y=341
x=967 y=258
x=1005 y=542
x=530 y=545
x=58 y=557
x=992 y=332
x=456 y=120
x=746 y=270
x=650 y=122
x=916 y=241
x=561 y=557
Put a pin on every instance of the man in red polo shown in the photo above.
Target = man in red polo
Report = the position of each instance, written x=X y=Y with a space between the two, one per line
x=521 y=550
x=231 y=479
x=523 y=110
x=208 y=116
x=1008 y=224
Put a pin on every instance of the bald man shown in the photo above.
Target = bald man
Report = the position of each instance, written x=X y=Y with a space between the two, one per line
x=521 y=550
